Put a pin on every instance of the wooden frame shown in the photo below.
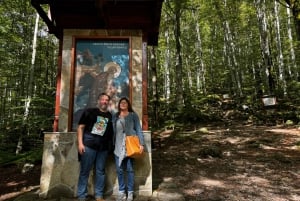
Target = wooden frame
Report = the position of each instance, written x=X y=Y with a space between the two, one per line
x=99 y=64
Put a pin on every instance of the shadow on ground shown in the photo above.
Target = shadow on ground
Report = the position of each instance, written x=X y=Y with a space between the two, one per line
x=211 y=162
x=239 y=163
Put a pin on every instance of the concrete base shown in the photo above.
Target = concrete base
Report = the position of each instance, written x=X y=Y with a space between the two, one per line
x=60 y=168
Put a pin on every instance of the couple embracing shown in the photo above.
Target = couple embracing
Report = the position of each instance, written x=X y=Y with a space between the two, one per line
x=100 y=132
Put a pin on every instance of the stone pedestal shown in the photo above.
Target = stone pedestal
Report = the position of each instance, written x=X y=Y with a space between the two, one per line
x=60 y=168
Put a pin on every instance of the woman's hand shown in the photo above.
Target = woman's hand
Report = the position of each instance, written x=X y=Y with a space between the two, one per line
x=141 y=148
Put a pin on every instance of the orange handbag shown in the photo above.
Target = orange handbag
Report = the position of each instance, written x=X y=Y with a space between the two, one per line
x=133 y=146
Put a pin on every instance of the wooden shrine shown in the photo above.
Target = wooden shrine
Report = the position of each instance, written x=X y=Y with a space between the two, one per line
x=102 y=48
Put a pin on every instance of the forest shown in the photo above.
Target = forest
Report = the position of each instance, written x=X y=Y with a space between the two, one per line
x=216 y=61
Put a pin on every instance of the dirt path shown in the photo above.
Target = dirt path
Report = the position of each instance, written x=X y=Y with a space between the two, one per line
x=212 y=163
x=13 y=182
x=237 y=163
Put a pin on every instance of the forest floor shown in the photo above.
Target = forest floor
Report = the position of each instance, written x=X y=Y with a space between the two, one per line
x=236 y=163
x=210 y=163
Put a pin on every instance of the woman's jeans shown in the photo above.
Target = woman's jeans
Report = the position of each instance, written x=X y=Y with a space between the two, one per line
x=89 y=158
x=126 y=167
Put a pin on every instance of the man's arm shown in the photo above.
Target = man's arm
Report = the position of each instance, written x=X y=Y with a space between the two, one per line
x=81 y=148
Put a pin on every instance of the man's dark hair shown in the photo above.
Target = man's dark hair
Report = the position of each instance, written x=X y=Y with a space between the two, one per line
x=104 y=94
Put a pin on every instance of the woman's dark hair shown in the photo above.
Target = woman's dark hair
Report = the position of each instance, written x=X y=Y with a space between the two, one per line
x=128 y=103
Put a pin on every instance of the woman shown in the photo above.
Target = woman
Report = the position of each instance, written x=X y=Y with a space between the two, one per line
x=126 y=122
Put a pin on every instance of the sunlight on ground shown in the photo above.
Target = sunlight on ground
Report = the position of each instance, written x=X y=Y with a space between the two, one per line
x=286 y=131
x=13 y=183
x=209 y=182
x=252 y=180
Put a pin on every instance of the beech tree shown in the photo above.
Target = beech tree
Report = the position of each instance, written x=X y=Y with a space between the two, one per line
x=28 y=69
x=294 y=5
x=243 y=50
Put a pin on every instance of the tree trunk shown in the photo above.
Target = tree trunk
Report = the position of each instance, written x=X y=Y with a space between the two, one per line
x=167 y=84
x=292 y=66
x=267 y=63
x=200 y=71
x=30 y=88
x=230 y=52
x=280 y=54
x=178 y=62
x=154 y=84
x=295 y=7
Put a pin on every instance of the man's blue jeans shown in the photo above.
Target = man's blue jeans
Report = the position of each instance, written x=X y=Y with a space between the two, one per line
x=126 y=167
x=89 y=158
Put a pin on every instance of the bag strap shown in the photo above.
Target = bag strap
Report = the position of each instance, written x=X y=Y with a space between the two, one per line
x=122 y=123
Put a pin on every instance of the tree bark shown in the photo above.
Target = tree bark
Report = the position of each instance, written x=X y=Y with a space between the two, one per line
x=30 y=88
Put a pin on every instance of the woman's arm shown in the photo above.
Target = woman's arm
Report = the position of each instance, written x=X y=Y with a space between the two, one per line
x=138 y=128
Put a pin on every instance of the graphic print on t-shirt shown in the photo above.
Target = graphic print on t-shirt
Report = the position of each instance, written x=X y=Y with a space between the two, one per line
x=100 y=126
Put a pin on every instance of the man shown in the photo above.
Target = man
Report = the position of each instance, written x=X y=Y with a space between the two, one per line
x=95 y=133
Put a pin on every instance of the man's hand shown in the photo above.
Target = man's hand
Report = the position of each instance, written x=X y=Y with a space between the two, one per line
x=81 y=148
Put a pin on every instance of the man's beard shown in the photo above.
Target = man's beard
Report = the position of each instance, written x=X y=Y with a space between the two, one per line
x=103 y=107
